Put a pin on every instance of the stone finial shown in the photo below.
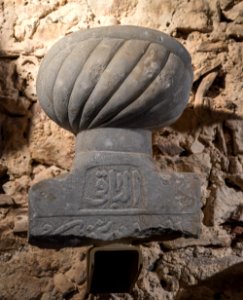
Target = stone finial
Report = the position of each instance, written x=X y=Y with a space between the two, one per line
x=118 y=76
x=109 y=86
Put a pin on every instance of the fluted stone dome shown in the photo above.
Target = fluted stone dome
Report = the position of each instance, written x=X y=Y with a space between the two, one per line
x=116 y=76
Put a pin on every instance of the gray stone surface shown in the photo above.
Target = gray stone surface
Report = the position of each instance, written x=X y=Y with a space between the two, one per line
x=104 y=85
x=118 y=76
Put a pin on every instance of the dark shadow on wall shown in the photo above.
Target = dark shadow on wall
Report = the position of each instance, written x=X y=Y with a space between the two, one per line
x=225 y=285
x=14 y=125
x=190 y=121
x=14 y=115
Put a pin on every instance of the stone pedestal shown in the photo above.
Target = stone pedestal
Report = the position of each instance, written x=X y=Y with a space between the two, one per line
x=110 y=86
x=114 y=192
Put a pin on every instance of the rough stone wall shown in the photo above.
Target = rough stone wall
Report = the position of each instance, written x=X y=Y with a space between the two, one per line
x=207 y=140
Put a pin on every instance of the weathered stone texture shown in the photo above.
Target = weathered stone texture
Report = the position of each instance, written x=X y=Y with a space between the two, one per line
x=207 y=140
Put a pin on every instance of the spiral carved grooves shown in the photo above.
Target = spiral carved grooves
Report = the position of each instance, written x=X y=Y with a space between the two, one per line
x=122 y=76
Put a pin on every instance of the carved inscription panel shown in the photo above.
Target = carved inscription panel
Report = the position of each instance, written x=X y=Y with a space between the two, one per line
x=115 y=186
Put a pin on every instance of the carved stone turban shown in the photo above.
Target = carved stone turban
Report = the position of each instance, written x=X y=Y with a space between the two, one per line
x=119 y=76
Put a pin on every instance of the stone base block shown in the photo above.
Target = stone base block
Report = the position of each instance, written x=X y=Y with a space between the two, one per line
x=113 y=197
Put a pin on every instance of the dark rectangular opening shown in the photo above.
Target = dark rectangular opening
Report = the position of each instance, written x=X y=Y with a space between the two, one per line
x=114 y=271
